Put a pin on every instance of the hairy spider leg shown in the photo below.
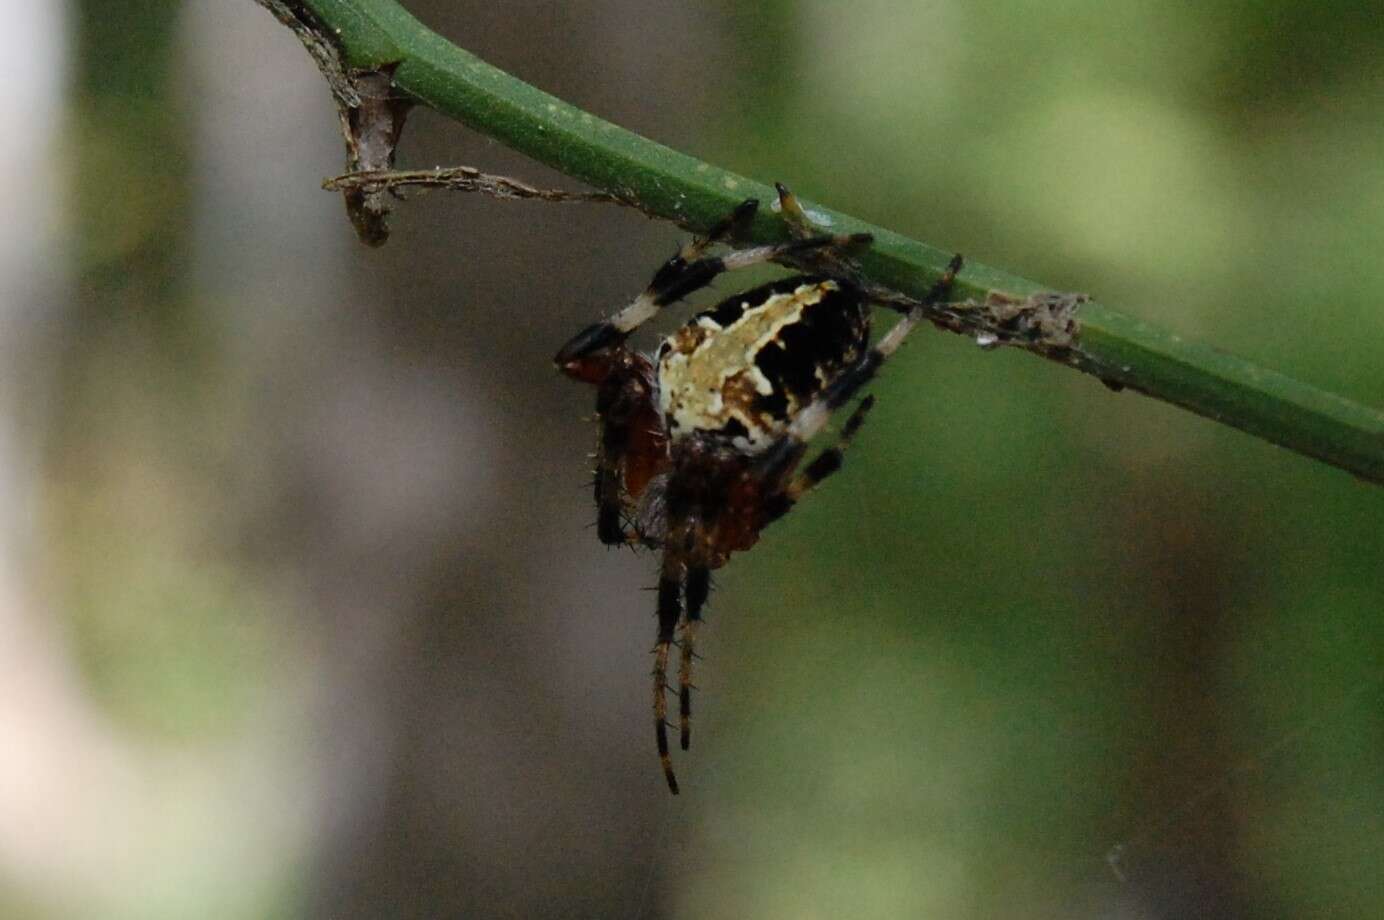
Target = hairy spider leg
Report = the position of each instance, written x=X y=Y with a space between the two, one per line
x=697 y=588
x=669 y=612
x=609 y=507
x=631 y=444
x=610 y=529
x=611 y=524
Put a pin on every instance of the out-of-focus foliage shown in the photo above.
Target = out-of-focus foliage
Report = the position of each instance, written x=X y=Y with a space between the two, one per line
x=311 y=517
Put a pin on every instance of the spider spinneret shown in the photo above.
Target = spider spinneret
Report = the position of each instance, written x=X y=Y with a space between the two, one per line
x=702 y=445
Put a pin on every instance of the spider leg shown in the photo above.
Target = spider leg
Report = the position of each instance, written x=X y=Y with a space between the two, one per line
x=669 y=612
x=608 y=527
x=627 y=452
x=668 y=278
x=610 y=486
x=698 y=587
x=802 y=227
x=610 y=509
x=725 y=228
x=822 y=466
x=829 y=460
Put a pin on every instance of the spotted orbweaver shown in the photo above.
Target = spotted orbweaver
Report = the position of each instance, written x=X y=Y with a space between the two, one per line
x=701 y=446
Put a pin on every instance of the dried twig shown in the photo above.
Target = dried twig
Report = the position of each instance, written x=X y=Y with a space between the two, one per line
x=464 y=179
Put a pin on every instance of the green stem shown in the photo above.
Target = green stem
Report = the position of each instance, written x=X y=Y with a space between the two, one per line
x=1121 y=351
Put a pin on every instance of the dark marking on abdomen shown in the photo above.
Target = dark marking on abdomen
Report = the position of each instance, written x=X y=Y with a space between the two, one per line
x=829 y=336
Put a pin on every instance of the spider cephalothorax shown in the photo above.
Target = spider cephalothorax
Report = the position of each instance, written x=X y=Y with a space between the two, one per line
x=701 y=446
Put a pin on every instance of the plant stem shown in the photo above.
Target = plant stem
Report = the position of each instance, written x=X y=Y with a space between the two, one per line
x=1119 y=350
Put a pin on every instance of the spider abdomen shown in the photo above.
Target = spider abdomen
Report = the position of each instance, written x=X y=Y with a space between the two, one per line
x=743 y=369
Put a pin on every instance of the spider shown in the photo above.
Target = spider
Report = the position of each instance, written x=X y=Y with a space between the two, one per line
x=702 y=445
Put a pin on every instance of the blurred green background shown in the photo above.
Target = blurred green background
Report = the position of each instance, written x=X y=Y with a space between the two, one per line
x=301 y=611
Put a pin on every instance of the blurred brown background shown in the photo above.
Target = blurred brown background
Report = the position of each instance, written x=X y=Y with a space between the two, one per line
x=300 y=610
